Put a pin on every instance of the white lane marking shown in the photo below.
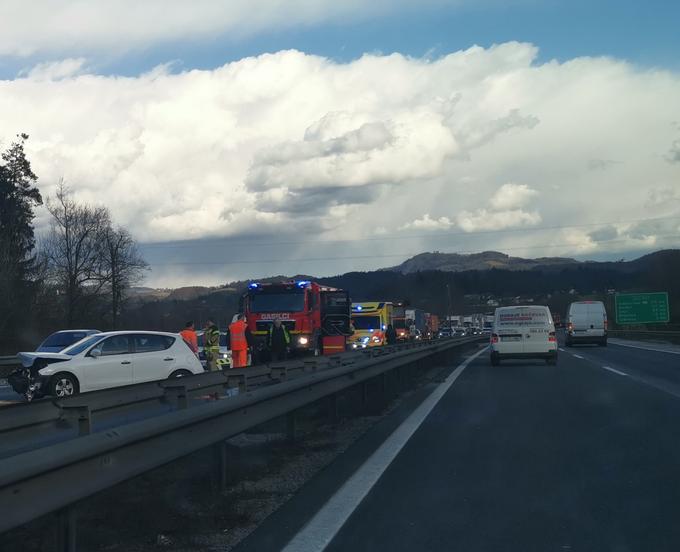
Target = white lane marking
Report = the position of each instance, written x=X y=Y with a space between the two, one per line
x=561 y=349
x=579 y=356
x=644 y=348
x=615 y=371
x=323 y=527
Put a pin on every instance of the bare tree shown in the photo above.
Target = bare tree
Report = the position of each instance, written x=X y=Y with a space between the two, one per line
x=122 y=266
x=73 y=250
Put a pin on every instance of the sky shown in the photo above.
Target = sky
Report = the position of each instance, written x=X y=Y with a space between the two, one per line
x=239 y=140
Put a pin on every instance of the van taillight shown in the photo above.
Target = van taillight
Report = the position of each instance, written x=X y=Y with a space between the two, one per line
x=605 y=324
x=552 y=338
x=570 y=327
x=494 y=338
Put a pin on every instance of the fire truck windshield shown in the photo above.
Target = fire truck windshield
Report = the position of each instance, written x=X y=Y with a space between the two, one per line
x=277 y=302
x=366 y=322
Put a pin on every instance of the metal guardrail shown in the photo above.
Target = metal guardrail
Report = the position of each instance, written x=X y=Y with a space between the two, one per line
x=644 y=335
x=52 y=477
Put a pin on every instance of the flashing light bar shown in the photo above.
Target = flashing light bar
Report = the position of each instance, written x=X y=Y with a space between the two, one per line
x=253 y=285
x=358 y=307
x=303 y=283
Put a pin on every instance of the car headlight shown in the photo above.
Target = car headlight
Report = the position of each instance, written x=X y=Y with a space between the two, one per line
x=354 y=345
x=303 y=340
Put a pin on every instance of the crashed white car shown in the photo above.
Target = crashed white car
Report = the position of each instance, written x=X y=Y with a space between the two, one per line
x=104 y=360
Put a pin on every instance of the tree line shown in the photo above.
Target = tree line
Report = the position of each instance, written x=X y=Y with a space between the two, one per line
x=75 y=273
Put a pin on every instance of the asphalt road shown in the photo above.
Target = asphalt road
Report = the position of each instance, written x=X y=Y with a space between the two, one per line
x=582 y=456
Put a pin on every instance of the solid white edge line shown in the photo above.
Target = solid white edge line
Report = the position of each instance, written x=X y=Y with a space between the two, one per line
x=579 y=356
x=322 y=528
x=643 y=348
x=561 y=349
x=615 y=371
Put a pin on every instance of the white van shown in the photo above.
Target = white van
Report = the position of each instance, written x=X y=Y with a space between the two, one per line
x=586 y=323
x=523 y=332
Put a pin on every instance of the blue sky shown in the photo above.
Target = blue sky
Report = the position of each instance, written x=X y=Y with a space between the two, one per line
x=438 y=147
x=644 y=33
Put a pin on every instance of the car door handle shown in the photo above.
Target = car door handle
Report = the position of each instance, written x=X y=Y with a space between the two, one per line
x=126 y=362
x=167 y=359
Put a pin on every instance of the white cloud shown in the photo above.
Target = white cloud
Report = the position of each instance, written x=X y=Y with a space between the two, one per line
x=56 y=70
x=484 y=220
x=299 y=144
x=27 y=27
x=428 y=223
x=512 y=196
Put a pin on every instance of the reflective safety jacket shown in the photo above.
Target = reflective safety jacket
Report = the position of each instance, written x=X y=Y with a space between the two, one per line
x=211 y=339
x=274 y=337
x=237 y=335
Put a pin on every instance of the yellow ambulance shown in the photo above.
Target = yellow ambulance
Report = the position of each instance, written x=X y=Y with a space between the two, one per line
x=369 y=322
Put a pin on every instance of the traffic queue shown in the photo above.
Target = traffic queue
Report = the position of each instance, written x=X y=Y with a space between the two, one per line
x=275 y=320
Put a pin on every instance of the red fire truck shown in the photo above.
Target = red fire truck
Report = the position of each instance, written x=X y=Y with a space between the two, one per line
x=316 y=316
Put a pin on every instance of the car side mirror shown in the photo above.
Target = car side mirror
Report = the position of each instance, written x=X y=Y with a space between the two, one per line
x=96 y=353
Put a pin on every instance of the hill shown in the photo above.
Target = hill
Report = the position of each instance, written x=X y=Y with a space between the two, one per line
x=555 y=282
x=456 y=262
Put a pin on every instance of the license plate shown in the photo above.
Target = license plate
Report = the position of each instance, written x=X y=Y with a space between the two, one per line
x=511 y=338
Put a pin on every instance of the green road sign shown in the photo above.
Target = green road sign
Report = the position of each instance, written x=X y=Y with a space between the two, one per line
x=642 y=308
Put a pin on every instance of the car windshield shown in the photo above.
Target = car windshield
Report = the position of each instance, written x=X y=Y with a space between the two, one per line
x=63 y=339
x=82 y=345
x=366 y=322
x=277 y=302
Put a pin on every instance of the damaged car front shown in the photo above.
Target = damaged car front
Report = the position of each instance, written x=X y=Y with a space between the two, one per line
x=32 y=379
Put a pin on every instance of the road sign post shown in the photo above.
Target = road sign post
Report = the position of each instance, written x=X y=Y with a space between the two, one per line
x=642 y=308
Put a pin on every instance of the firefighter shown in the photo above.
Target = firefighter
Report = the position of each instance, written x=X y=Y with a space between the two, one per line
x=278 y=340
x=211 y=345
x=239 y=343
x=189 y=335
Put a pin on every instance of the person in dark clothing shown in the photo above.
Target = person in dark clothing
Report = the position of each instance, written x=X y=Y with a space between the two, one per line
x=278 y=341
x=391 y=335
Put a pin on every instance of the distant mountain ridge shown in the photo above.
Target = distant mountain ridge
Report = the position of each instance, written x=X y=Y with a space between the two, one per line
x=458 y=262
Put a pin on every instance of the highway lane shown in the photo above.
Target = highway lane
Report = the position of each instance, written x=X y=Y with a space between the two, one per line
x=533 y=457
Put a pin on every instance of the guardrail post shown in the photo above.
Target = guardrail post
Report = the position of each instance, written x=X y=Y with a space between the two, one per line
x=66 y=529
x=83 y=416
x=333 y=412
x=364 y=395
x=179 y=393
x=220 y=452
x=290 y=426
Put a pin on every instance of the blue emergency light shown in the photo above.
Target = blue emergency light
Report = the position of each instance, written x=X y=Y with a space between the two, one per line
x=303 y=283
x=253 y=285
x=358 y=307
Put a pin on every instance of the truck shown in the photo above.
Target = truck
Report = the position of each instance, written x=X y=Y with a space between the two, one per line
x=431 y=325
x=369 y=321
x=399 y=321
x=317 y=317
x=415 y=318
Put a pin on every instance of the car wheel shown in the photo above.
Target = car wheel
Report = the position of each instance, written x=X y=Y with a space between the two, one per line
x=567 y=343
x=603 y=343
x=63 y=385
x=551 y=361
x=180 y=374
x=318 y=348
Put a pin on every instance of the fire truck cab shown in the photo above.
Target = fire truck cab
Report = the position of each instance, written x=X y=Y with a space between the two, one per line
x=317 y=317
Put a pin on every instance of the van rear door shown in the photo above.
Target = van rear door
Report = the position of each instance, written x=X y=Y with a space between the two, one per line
x=510 y=329
x=537 y=330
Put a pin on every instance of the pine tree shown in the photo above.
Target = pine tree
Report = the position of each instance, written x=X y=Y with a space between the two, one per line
x=18 y=197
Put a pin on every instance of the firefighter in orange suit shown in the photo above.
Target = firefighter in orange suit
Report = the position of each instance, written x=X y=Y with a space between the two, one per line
x=239 y=343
